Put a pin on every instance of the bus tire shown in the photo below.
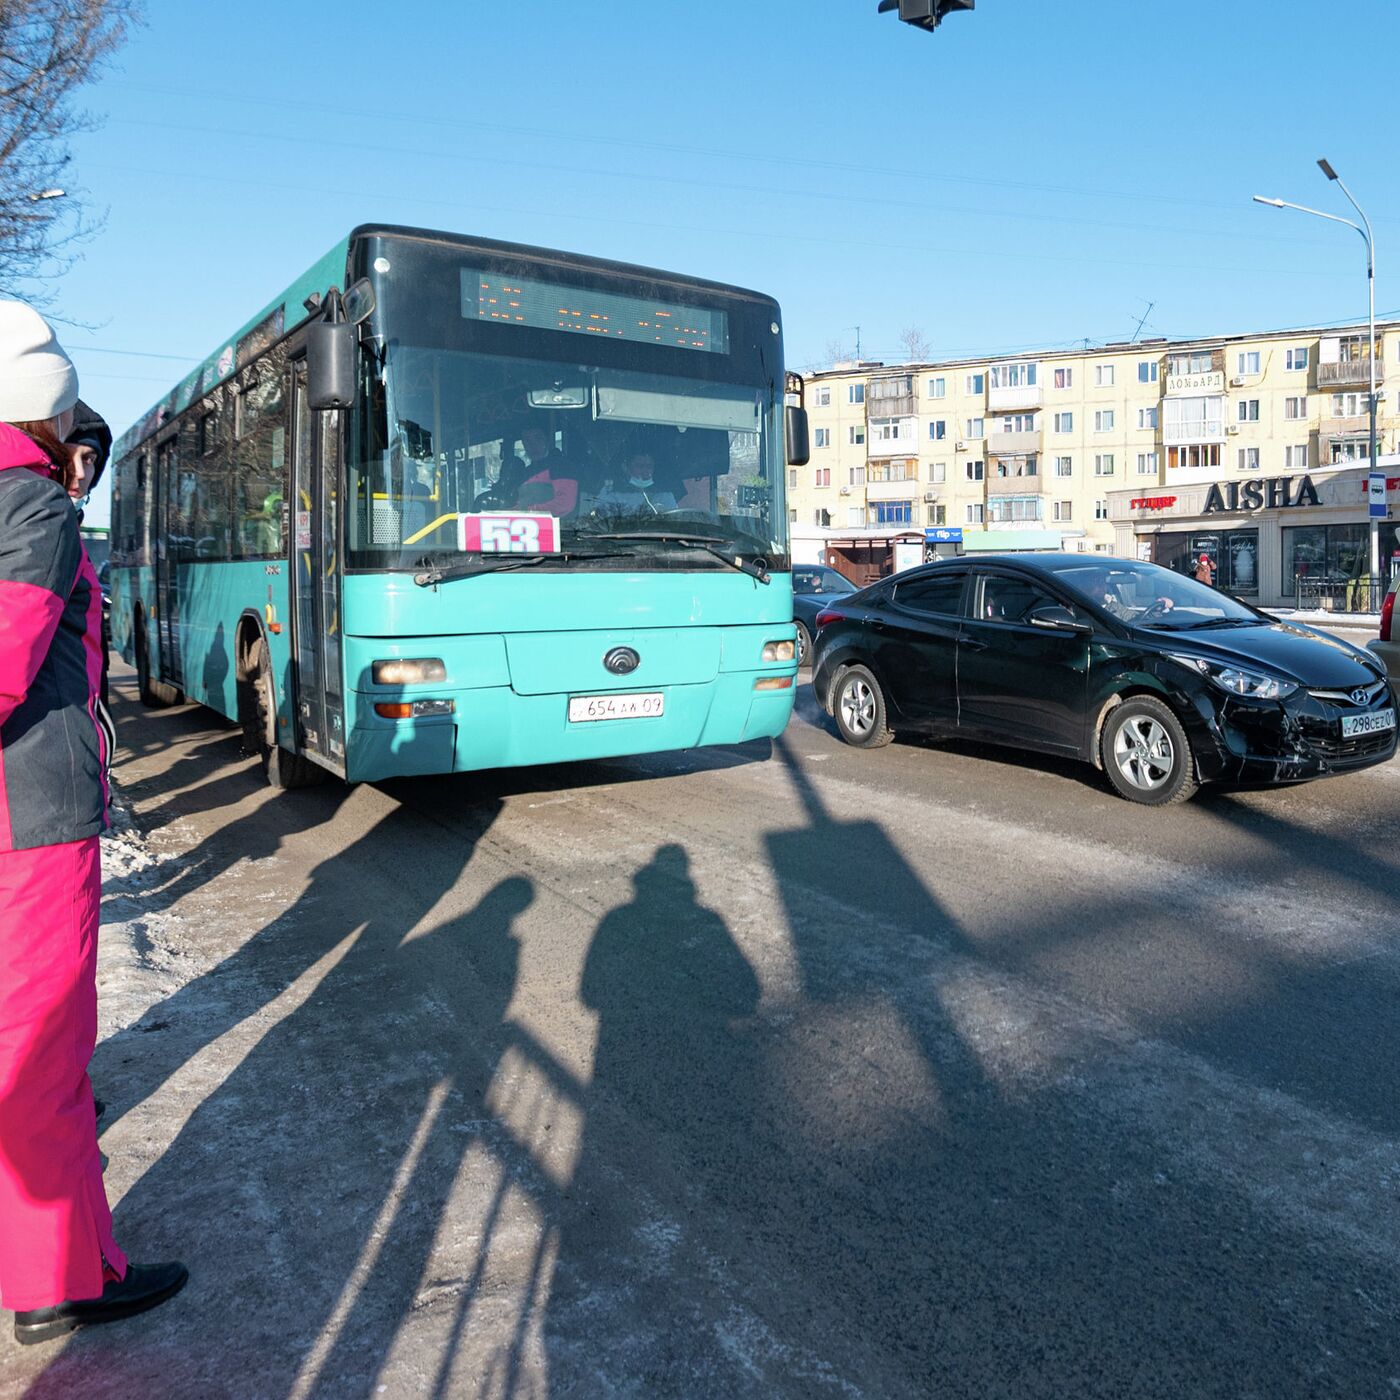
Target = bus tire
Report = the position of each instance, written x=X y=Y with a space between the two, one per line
x=282 y=768
x=155 y=695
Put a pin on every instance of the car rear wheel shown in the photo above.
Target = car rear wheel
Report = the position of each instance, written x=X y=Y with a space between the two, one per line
x=858 y=704
x=804 y=646
x=1146 y=753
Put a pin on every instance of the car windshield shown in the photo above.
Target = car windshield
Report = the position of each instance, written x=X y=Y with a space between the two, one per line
x=820 y=580
x=1151 y=596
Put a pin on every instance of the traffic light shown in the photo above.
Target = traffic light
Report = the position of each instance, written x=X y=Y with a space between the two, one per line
x=927 y=14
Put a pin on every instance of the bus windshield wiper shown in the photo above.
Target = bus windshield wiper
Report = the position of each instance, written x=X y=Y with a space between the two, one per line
x=755 y=568
x=445 y=573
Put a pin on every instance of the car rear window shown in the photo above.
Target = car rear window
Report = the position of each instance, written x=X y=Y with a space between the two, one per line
x=938 y=594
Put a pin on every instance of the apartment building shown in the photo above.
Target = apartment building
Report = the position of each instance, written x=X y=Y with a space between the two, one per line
x=1086 y=449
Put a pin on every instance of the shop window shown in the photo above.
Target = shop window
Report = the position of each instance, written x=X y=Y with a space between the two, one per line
x=1329 y=553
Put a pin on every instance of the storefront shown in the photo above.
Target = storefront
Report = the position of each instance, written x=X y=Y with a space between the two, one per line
x=1259 y=535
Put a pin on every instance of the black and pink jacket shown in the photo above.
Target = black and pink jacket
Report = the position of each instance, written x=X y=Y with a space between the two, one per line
x=55 y=739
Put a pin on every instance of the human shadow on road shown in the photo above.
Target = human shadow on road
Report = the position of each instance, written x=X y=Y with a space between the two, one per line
x=307 y=1186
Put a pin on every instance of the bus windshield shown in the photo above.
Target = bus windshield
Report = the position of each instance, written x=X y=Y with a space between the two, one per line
x=633 y=436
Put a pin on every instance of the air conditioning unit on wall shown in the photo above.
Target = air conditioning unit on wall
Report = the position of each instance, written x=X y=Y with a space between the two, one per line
x=930 y=497
x=1232 y=428
x=959 y=446
x=1237 y=382
x=845 y=490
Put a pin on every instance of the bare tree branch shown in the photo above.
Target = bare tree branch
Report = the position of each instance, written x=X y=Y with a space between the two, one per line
x=48 y=50
x=915 y=344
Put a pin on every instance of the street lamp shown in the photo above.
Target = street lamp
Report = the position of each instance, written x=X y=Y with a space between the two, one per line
x=1365 y=232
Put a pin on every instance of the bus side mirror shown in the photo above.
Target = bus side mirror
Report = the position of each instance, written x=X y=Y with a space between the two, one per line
x=330 y=364
x=799 y=450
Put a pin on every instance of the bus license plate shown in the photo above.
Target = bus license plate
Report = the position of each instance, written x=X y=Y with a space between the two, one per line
x=584 y=709
x=1375 y=723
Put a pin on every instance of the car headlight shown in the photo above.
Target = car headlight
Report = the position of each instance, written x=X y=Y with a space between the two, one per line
x=1238 y=681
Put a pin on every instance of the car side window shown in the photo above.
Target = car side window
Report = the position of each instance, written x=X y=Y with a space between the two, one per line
x=937 y=594
x=804 y=580
x=1008 y=598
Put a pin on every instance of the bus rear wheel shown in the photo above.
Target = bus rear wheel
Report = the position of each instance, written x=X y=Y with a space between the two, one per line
x=282 y=768
x=155 y=695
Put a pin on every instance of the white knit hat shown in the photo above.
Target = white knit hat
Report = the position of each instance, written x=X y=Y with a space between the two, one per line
x=37 y=379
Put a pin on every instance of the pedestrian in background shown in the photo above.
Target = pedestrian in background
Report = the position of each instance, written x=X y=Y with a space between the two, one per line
x=1205 y=571
x=60 y=1267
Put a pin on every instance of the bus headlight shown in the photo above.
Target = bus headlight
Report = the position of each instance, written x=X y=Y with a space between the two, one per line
x=413 y=709
x=407 y=671
x=779 y=651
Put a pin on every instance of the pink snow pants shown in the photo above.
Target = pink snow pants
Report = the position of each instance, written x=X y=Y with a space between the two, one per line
x=55 y=1226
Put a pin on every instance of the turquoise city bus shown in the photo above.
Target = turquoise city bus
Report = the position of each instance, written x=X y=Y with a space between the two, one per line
x=491 y=505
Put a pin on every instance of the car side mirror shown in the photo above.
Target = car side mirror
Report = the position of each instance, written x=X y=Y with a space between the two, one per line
x=1056 y=619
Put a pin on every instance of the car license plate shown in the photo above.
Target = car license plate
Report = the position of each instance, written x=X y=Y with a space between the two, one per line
x=1374 y=723
x=584 y=709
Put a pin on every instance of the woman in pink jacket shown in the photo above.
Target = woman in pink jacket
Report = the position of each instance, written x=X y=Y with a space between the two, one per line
x=60 y=1268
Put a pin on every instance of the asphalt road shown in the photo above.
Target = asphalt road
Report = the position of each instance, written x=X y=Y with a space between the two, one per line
x=783 y=1070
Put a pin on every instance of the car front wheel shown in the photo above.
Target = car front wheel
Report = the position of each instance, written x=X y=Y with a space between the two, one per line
x=804 y=646
x=858 y=704
x=1146 y=753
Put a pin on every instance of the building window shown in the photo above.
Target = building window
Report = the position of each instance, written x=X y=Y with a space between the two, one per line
x=1064 y=422
x=1147 y=418
x=1015 y=423
x=890 y=429
x=1195 y=454
x=1248 y=410
x=1064 y=376
x=856 y=433
x=938 y=473
x=1195 y=419
x=1247 y=362
x=1147 y=371
x=1103 y=376
x=974 y=428
x=974 y=471
x=857 y=476
x=821 y=437
x=975 y=513
x=1003 y=510
x=1064 y=510
x=821 y=517
x=1249 y=459
x=823 y=399
x=937 y=388
x=1103 y=420
x=1325 y=551
x=892 y=513
x=938 y=515
x=897 y=470
x=1296 y=456
x=855 y=516
x=1190 y=362
x=1064 y=466
x=822 y=476
x=1349 y=449
x=792 y=515
x=792 y=477
x=1295 y=408
x=1100 y=510
x=1019 y=374
x=1147 y=464
x=938 y=429
x=1296 y=358
x=1349 y=405
x=1103 y=464
x=976 y=383
x=855 y=393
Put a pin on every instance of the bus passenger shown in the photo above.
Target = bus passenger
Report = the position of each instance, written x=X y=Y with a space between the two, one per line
x=60 y=1267
x=548 y=484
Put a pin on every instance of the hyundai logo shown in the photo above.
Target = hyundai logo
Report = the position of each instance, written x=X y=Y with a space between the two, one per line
x=1360 y=696
x=622 y=661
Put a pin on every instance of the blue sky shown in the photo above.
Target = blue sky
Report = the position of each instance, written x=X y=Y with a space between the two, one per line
x=1032 y=174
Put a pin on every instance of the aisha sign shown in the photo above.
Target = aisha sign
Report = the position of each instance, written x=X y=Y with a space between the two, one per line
x=1270 y=493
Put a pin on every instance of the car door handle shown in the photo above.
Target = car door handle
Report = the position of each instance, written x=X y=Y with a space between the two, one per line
x=973 y=643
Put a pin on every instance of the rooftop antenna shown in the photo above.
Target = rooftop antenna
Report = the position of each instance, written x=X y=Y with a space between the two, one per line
x=1142 y=321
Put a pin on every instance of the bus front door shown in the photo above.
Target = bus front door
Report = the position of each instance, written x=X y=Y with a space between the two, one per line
x=171 y=548
x=316 y=659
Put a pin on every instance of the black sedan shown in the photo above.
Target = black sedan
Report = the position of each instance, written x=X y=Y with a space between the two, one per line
x=1158 y=680
x=813 y=588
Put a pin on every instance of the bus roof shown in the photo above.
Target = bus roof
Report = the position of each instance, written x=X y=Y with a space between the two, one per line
x=278 y=316
x=287 y=310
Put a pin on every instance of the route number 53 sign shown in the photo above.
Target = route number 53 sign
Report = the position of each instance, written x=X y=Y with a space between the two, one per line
x=506 y=533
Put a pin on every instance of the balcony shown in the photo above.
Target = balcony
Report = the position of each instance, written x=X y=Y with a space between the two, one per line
x=1349 y=372
x=890 y=397
x=907 y=490
x=1012 y=444
x=1193 y=430
x=1009 y=398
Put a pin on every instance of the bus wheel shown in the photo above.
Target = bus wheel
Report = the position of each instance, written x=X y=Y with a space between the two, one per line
x=282 y=768
x=155 y=695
